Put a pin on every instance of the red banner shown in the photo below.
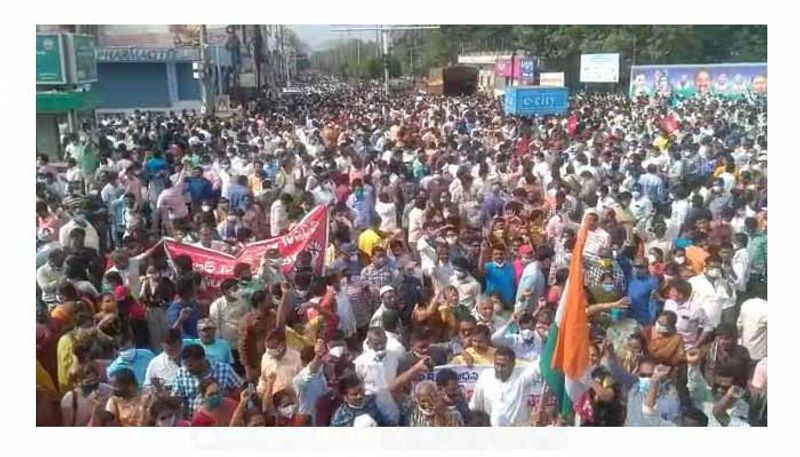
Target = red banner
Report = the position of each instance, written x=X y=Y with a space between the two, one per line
x=310 y=234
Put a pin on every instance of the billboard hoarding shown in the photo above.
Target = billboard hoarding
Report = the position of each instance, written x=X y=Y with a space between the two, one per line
x=600 y=68
x=551 y=79
x=82 y=59
x=536 y=100
x=527 y=68
x=727 y=80
x=51 y=66
x=503 y=68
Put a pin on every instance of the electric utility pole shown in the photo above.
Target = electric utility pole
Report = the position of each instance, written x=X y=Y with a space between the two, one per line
x=385 y=33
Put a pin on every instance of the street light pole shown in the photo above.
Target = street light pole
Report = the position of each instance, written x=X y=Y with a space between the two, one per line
x=385 y=39
x=206 y=93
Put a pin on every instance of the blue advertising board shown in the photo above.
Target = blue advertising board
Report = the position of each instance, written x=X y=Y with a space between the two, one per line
x=536 y=100
x=727 y=80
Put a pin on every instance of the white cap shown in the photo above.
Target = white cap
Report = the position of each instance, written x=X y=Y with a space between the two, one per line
x=385 y=289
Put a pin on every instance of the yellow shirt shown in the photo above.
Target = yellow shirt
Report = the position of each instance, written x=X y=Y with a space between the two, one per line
x=661 y=143
x=478 y=358
x=286 y=369
x=64 y=360
x=255 y=184
x=368 y=240
x=45 y=382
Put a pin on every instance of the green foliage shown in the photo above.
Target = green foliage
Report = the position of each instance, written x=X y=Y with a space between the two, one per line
x=640 y=44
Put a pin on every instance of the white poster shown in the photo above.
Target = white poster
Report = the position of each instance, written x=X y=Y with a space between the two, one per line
x=599 y=68
x=552 y=79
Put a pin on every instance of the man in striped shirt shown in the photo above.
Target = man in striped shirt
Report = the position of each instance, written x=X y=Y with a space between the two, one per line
x=652 y=185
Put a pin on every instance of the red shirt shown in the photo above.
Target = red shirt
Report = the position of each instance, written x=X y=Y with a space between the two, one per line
x=326 y=406
x=341 y=193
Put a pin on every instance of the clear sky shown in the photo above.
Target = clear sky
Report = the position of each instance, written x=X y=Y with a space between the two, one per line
x=318 y=35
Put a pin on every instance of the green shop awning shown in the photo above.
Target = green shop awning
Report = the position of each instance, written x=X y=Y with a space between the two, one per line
x=57 y=101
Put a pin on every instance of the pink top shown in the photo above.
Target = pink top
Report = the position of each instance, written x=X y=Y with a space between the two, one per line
x=172 y=203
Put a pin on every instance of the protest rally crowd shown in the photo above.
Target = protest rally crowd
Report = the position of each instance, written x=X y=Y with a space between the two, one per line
x=607 y=267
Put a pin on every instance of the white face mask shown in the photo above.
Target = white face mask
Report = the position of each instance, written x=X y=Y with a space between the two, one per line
x=680 y=260
x=206 y=208
x=713 y=273
x=527 y=334
x=336 y=351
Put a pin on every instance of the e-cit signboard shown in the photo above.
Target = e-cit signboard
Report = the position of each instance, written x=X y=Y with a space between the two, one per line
x=536 y=100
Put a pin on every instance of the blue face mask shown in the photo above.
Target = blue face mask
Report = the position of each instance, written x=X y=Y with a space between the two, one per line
x=608 y=287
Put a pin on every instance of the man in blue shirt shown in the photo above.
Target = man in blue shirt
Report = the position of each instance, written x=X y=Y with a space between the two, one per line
x=131 y=358
x=500 y=277
x=359 y=202
x=310 y=383
x=236 y=192
x=492 y=205
x=199 y=187
x=217 y=349
x=155 y=164
x=641 y=286
x=182 y=313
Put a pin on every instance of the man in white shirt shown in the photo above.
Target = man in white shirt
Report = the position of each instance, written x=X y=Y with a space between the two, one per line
x=740 y=263
x=484 y=314
x=128 y=269
x=503 y=392
x=541 y=169
x=415 y=221
x=596 y=239
x=227 y=312
x=752 y=326
x=91 y=240
x=389 y=304
x=712 y=292
x=528 y=343
x=468 y=287
x=441 y=271
x=162 y=368
x=693 y=324
x=278 y=217
x=377 y=367
x=51 y=275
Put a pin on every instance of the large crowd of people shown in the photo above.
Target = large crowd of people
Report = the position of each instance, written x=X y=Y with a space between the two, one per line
x=452 y=227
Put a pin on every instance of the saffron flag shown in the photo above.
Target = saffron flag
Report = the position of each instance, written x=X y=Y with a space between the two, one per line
x=565 y=357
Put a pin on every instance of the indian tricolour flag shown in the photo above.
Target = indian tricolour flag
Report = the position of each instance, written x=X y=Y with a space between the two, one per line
x=565 y=357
